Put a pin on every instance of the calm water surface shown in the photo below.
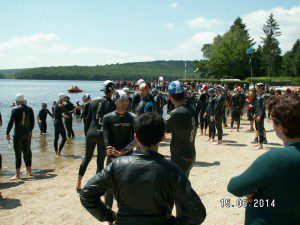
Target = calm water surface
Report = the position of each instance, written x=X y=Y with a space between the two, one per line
x=36 y=92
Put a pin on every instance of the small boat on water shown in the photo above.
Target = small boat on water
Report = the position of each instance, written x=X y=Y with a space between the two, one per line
x=75 y=90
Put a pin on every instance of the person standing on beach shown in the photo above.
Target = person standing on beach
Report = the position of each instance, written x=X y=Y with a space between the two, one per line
x=60 y=112
x=144 y=183
x=182 y=122
x=85 y=111
x=127 y=91
x=147 y=103
x=260 y=113
x=202 y=103
x=118 y=134
x=69 y=106
x=42 y=118
x=209 y=115
x=218 y=113
x=236 y=110
x=98 y=109
x=22 y=118
x=271 y=184
x=136 y=96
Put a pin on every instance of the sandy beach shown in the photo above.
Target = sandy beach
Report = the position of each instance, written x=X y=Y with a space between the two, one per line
x=50 y=197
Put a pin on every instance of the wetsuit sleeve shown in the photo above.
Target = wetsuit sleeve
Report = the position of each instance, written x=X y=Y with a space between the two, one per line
x=31 y=118
x=89 y=116
x=256 y=176
x=11 y=122
x=50 y=114
x=93 y=190
x=169 y=123
x=263 y=106
x=218 y=105
x=106 y=130
x=149 y=107
x=193 y=210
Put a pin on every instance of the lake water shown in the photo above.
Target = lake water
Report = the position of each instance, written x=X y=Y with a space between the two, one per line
x=36 y=92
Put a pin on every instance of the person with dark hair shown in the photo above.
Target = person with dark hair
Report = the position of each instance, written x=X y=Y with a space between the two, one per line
x=145 y=184
x=98 y=109
x=202 y=103
x=288 y=91
x=136 y=98
x=236 y=103
x=250 y=109
x=260 y=113
x=209 y=115
x=278 y=92
x=218 y=113
x=42 y=118
x=69 y=106
x=85 y=112
x=22 y=118
x=272 y=182
x=118 y=133
x=159 y=100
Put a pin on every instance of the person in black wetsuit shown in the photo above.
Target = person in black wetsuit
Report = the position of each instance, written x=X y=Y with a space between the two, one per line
x=53 y=107
x=118 y=134
x=127 y=91
x=22 y=118
x=145 y=184
x=182 y=122
x=42 y=118
x=236 y=108
x=160 y=101
x=85 y=111
x=202 y=103
x=136 y=96
x=209 y=113
x=69 y=106
x=60 y=112
x=218 y=113
x=147 y=103
x=98 y=109
x=260 y=113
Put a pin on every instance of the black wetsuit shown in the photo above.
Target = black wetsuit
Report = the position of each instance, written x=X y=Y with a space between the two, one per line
x=118 y=131
x=209 y=113
x=160 y=102
x=218 y=114
x=170 y=106
x=135 y=101
x=69 y=122
x=145 y=185
x=23 y=118
x=59 y=128
x=129 y=109
x=99 y=107
x=42 y=116
x=147 y=104
x=182 y=123
x=202 y=103
x=236 y=110
x=260 y=110
x=84 y=116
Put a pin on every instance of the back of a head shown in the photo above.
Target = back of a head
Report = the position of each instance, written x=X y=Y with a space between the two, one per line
x=149 y=129
x=285 y=111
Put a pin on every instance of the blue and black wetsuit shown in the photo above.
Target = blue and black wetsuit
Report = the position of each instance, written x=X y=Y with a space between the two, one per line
x=118 y=131
x=42 y=116
x=146 y=104
x=23 y=118
x=98 y=109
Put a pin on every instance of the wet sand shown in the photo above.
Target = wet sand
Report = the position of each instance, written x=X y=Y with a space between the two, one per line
x=50 y=197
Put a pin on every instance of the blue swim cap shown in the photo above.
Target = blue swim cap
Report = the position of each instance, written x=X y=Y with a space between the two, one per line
x=175 y=87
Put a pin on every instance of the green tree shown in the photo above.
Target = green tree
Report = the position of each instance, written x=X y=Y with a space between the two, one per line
x=271 y=53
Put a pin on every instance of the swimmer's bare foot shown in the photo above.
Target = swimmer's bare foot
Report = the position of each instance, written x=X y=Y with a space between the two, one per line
x=212 y=140
x=208 y=139
x=15 y=177
x=218 y=143
x=23 y=170
x=30 y=174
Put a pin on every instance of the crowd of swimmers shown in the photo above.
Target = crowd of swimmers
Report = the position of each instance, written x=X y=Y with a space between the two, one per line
x=126 y=131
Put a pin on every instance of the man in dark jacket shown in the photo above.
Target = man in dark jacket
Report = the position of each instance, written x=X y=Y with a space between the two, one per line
x=23 y=118
x=145 y=184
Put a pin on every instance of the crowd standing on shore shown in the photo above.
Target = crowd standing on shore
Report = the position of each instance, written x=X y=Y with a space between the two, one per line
x=127 y=128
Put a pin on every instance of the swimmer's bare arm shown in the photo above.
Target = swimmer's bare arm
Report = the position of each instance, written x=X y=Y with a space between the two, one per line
x=93 y=190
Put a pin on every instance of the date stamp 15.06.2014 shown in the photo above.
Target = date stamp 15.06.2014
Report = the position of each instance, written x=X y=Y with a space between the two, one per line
x=243 y=203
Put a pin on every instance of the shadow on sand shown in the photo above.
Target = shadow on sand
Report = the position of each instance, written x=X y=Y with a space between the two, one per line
x=9 y=203
x=232 y=143
x=10 y=184
x=41 y=175
x=206 y=164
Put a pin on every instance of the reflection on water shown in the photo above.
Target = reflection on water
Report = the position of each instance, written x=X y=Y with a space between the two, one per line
x=37 y=92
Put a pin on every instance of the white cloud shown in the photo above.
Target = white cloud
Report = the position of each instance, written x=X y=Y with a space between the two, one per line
x=174 y=5
x=47 y=50
x=169 y=25
x=191 y=47
x=202 y=22
x=288 y=20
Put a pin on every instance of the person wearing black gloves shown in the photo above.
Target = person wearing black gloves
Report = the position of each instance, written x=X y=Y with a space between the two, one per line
x=145 y=184
x=218 y=113
x=98 y=109
x=23 y=118
x=118 y=133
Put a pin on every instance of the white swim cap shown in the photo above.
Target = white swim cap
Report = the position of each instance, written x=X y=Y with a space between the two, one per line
x=139 y=82
x=119 y=95
x=61 y=96
x=20 y=97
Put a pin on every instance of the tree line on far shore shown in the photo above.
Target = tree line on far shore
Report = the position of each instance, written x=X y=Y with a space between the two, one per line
x=227 y=56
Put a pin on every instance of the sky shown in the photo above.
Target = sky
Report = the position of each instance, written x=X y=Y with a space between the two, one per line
x=37 y=33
